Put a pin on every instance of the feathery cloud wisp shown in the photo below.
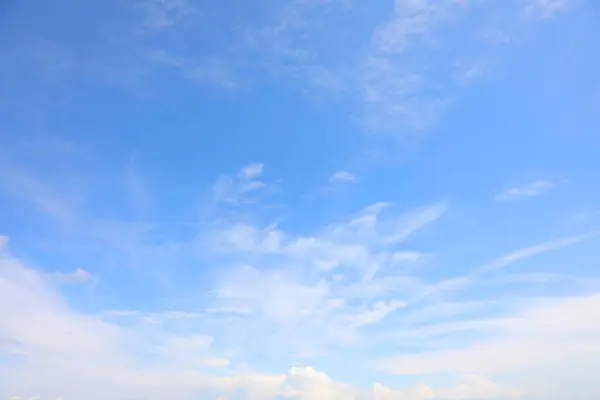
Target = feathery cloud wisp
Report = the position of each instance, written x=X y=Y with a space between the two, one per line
x=77 y=277
x=533 y=189
x=342 y=176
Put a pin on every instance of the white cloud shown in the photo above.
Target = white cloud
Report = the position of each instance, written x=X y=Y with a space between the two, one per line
x=241 y=188
x=420 y=392
x=546 y=8
x=348 y=242
x=191 y=351
x=406 y=82
x=308 y=383
x=273 y=294
x=33 y=313
x=79 y=276
x=342 y=176
x=70 y=355
x=377 y=313
x=407 y=256
x=323 y=288
x=78 y=356
x=475 y=275
x=515 y=256
x=562 y=336
x=478 y=387
x=251 y=171
x=533 y=189
x=291 y=306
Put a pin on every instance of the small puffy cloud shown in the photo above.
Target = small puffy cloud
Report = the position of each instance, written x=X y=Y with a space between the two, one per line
x=77 y=277
x=306 y=383
x=252 y=171
x=533 y=189
x=342 y=176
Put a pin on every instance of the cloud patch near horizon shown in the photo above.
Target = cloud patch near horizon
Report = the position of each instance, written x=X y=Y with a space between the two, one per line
x=100 y=362
x=344 y=285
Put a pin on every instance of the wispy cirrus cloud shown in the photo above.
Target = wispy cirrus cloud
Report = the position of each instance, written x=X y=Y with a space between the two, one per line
x=19 y=182
x=77 y=277
x=244 y=187
x=514 y=344
x=344 y=277
x=533 y=189
x=398 y=70
x=342 y=176
x=477 y=274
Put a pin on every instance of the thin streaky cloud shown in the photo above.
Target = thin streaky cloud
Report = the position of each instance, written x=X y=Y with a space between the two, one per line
x=31 y=188
x=342 y=176
x=515 y=256
x=461 y=282
x=516 y=345
x=77 y=277
x=533 y=189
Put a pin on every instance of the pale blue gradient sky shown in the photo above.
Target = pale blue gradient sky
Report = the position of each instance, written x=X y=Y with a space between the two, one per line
x=309 y=199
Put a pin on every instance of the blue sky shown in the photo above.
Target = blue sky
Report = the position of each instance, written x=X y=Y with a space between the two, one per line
x=308 y=199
